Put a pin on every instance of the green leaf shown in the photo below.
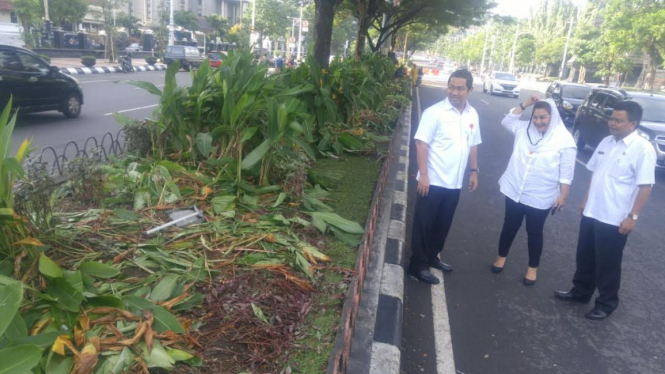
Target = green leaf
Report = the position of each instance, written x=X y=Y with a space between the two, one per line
x=42 y=340
x=255 y=155
x=57 y=364
x=65 y=294
x=259 y=314
x=280 y=199
x=138 y=304
x=164 y=289
x=75 y=279
x=107 y=300
x=150 y=87
x=179 y=355
x=117 y=363
x=49 y=268
x=248 y=133
x=319 y=224
x=16 y=329
x=126 y=215
x=10 y=300
x=349 y=239
x=204 y=144
x=158 y=357
x=20 y=359
x=98 y=270
x=165 y=321
x=223 y=203
x=334 y=219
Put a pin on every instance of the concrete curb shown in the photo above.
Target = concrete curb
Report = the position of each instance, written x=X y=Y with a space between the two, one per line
x=386 y=356
x=111 y=69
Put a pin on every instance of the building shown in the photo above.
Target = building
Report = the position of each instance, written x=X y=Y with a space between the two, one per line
x=147 y=11
x=10 y=30
x=6 y=13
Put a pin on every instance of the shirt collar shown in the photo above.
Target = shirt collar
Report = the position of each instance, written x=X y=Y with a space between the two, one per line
x=448 y=106
x=628 y=139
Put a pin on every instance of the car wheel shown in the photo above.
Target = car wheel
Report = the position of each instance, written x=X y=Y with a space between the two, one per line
x=492 y=90
x=484 y=89
x=186 y=66
x=577 y=136
x=516 y=96
x=72 y=106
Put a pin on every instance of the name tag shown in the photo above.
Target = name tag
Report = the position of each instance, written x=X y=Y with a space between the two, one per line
x=601 y=152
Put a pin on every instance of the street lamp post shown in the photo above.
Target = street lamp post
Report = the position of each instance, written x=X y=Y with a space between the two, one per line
x=46 y=10
x=251 y=31
x=171 y=24
x=299 y=34
x=565 y=51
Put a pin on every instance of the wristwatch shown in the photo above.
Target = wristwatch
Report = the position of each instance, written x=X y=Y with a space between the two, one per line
x=474 y=171
x=521 y=106
x=633 y=216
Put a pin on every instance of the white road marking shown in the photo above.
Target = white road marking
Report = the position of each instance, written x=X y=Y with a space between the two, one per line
x=130 y=110
x=104 y=80
x=445 y=361
x=484 y=101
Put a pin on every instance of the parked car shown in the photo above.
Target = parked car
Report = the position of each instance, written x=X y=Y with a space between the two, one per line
x=134 y=47
x=568 y=97
x=215 y=59
x=34 y=85
x=502 y=83
x=591 y=127
x=189 y=57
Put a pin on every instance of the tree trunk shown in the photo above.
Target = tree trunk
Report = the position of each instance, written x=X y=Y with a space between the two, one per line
x=640 y=78
x=650 y=78
x=363 y=26
x=324 y=16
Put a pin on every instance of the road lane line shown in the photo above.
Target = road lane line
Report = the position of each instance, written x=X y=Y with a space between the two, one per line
x=445 y=361
x=484 y=101
x=130 y=110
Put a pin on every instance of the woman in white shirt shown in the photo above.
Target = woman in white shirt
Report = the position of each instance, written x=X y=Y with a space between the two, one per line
x=537 y=180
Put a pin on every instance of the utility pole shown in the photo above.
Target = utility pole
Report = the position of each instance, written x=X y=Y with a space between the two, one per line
x=252 y=28
x=487 y=34
x=491 y=53
x=565 y=51
x=46 y=10
x=171 y=24
x=299 y=34
x=406 y=43
x=512 y=55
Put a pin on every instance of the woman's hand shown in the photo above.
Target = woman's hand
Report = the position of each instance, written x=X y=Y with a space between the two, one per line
x=530 y=101
x=560 y=202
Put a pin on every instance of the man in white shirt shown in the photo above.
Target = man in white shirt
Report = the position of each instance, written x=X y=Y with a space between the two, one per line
x=447 y=138
x=623 y=167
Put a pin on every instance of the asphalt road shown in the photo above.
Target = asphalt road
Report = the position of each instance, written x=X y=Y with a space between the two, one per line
x=103 y=94
x=500 y=326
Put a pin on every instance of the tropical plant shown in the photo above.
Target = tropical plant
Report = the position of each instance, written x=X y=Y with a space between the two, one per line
x=89 y=61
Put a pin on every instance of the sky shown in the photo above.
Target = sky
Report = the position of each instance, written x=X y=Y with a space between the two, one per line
x=520 y=8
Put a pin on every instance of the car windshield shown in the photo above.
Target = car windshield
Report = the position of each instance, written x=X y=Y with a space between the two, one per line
x=175 y=50
x=214 y=56
x=574 y=92
x=505 y=77
x=653 y=108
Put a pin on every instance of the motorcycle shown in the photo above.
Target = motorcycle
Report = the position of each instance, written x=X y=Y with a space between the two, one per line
x=419 y=79
x=126 y=64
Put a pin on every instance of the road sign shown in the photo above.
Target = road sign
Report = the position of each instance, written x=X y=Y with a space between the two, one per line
x=292 y=39
x=305 y=29
x=305 y=23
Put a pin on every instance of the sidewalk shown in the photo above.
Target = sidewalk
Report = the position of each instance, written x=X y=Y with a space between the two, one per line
x=73 y=66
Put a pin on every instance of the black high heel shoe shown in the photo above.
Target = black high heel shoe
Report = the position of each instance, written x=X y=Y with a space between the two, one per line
x=496 y=269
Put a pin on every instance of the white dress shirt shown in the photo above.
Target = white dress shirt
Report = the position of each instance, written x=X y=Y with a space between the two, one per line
x=534 y=173
x=619 y=168
x=450 y=136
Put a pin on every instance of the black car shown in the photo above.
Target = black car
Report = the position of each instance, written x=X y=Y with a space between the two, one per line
x=593 y=115
x=568 y=97
x=189 y=57
x=34 y=85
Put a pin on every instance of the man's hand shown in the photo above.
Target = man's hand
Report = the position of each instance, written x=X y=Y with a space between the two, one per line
x=473 y=181
x=627 y=226
x=423 y=185
x=560 y=202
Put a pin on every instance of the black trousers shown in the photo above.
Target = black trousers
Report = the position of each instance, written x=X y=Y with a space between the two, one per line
x=599 y=254
x=431 y=223
x=535 y=222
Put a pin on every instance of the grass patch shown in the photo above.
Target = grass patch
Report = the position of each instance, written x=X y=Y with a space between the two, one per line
x=351 y=180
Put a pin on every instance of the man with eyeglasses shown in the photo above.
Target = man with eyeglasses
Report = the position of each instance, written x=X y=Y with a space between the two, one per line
x=623 y=167
x=446 y=140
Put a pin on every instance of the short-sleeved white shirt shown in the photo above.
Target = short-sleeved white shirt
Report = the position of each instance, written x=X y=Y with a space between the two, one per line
x=619 y=168
x=450 y=136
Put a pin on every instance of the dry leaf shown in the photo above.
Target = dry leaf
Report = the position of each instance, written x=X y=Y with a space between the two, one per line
x=59 y=344
x=86 y=362
x=29 y=241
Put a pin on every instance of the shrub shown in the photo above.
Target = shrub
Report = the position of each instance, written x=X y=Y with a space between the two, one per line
x=151 y=60
x=33 y=197
x=139 y=136
x=89 y=61
x=85 y=183
x=45 y=58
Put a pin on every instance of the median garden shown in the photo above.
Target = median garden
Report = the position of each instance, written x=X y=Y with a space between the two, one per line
x=278 y=172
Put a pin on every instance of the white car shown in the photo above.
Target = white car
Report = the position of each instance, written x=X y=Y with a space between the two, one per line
x=502 y=83
x=134 y=47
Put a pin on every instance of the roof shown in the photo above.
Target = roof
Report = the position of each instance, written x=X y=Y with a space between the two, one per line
x=5 y=5
x=566 y=83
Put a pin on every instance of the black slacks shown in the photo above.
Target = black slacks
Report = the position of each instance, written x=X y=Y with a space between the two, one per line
x=599 y=254
x=431 y=223
x=535 y=222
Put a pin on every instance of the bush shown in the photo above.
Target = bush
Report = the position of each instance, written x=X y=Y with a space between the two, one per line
x=151 y=60
x=139 y=136
x=89 y=61
x=45 y=58
x=33 y=197
x=85 y=183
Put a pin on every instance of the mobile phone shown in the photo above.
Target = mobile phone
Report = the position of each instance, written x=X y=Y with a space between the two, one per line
x=554 y=210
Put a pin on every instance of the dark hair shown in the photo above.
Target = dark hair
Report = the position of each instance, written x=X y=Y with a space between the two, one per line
x=462 y=73
x=543 y=105
x=633 y=109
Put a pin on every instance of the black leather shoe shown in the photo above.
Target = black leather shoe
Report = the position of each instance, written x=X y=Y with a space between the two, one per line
x=496 y=269
x=529 y=282
x=424 y=276
x=569 y=296
x=597 y=315
x=441 y=266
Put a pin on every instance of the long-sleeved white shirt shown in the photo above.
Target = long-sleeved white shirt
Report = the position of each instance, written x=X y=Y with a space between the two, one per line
x=534 y=174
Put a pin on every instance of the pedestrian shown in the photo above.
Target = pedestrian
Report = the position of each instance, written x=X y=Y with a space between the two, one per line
x=537 y=180
x=279 y=63
x=623 y=167
x=447 y=139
